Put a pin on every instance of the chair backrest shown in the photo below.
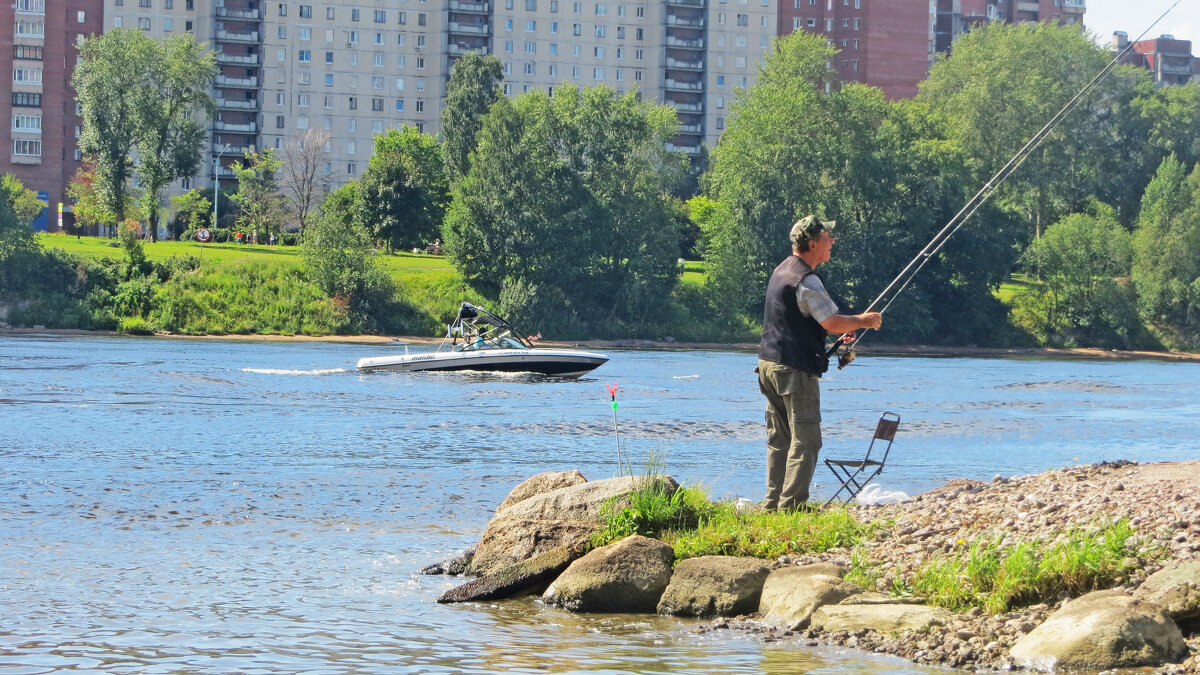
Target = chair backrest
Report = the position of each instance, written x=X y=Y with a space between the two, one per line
x=885 y=430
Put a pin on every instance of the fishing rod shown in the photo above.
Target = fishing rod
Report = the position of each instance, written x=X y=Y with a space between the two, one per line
x=905 y=277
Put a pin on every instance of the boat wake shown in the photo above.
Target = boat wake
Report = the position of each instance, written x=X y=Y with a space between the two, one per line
x=285 y=371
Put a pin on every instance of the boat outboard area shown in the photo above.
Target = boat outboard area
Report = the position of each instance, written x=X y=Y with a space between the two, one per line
x=479 y=340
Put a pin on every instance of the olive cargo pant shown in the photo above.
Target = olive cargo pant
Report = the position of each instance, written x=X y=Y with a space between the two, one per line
x=793 y=432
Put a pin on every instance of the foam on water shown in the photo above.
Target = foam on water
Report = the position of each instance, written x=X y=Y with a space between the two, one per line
x=290 y=371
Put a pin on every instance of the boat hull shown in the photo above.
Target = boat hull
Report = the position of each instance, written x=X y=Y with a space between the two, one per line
x=553 y=362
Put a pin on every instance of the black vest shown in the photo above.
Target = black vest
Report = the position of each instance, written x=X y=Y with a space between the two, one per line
x=788 y=336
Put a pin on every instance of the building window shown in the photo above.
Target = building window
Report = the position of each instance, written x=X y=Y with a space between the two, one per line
x=376 y=82
x=552 y=70
x=305 y=77
x=380 y=16
x=28 y=52
x=601 y=10
x=530 y=47
x=598 y=52
x=597 y=73
x=576 y=29
x=282 y=9
x=421 y=19
x=355 y=14
x=27 y=123
x=575 y=72
x=531 y=26
x=377 y=61
x=403 y=18
x=353 y=37
x=281 y=55
x=279 y=99
x=637 y=76
x=27 y=148
x=329 y=58
x=553 y=49
x=399 y=105
x=508 y=89
x=27 y=75
x=354 y=103
x=26 y=99
x=399 y=84
x=508 y=46
x=305 y=11
x=639 y=33
x=743 y=19
x=528 y=68
x=31 y=29
x=351 y=169
x=306 y=34
x=352 y=126
x=420 y=106
x=302 y=100
x=304 y=56
x=279 y=121
x=600 y=30
x=33 y=6
x=376 y=105
x=328 y=79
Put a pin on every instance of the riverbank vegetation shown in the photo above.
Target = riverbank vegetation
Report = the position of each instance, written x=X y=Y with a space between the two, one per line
x=570 y=215
x=993 y=572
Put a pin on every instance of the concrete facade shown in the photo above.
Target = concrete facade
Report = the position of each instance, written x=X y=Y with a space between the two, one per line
x=1170 y=61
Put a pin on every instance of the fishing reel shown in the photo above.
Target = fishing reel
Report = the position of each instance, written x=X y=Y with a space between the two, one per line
x=844 y=358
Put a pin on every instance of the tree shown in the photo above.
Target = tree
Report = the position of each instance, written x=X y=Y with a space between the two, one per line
x=474 y=86
x=566 y=211
x=303 y=183
x=258 y=196
x=339 y=257
x=140 y=93
x=17 y=241
x=89 y=207
x=887 y=175
x=192 y=211
x=1166 y=265
x=1002 y=83
x=172 y=120
x=1085 y=297
x=402 y=194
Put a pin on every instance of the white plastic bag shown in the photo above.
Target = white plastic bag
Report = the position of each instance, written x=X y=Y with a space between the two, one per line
x=873 y=494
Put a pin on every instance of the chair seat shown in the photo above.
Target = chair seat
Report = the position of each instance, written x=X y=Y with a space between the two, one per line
x=854 y=463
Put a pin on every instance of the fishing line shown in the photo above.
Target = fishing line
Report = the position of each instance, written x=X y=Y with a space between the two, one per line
x=905 y=277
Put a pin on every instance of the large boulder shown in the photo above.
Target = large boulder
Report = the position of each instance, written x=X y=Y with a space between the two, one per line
x=547 y=481
x=1101 y=630
x=1175 y=588
x=525 y=577
x=885 y=618
x=714 y=585
x=790 y=595
x=566 y=516
x=627 y=576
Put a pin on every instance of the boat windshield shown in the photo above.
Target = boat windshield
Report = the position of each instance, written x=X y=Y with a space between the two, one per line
x=479 y=329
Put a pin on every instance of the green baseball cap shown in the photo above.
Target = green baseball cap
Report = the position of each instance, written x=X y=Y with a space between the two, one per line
x=808 y=228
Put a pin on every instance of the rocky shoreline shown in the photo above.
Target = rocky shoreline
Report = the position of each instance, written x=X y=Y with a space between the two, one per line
x=537 y=543
x=1160 y=501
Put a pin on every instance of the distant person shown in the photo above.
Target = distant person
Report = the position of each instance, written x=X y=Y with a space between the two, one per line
x=791 y=359
x=238 y=237
x=254 y=237
x=272 y=239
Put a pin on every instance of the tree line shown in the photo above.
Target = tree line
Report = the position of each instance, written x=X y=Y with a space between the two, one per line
x=568 y=213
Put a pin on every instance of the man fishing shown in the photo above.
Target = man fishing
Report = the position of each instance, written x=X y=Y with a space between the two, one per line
x=792 y=357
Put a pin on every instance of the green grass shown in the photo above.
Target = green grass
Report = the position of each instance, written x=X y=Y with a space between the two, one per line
x=996 y=574
x=695 y=272
x=1015 y=284
x=723 y=531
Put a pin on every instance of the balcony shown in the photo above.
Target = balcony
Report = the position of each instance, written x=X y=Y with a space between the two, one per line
x=460 y=6
x=246 y=14
x=456 y=27
x=686 y=149
x=247 y=128
x=1170 y=69
x=226 y=172
x=232 y=151
x=460 y=49
x=679 y=64
x=247 y=82
x=231 y=36
x=697 y=43
x=685 y=3
x=696 y=22
x=241 y=59
x=1027 y=7
x=231 y=104
x=691 y=128
x=676 y=85
x=687 y=107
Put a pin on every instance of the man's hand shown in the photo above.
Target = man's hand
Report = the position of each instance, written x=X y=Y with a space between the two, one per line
x=872 y=320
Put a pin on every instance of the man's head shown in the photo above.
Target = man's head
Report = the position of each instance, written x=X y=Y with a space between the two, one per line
x=808 y=230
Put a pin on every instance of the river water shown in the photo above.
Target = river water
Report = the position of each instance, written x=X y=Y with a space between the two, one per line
x=173 y=505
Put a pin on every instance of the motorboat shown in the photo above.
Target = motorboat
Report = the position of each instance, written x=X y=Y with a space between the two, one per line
x=479 y=340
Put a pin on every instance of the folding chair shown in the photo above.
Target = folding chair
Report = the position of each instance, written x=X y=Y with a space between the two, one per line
x=854 y=474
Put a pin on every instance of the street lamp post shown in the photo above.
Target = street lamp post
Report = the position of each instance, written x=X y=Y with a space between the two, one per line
x=217 y=182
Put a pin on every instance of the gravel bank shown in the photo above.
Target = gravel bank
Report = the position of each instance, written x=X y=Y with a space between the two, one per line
x=1161 y=502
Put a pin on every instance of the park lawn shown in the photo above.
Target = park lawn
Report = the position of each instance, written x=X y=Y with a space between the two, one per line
x=97 y=247
x=1016 y=283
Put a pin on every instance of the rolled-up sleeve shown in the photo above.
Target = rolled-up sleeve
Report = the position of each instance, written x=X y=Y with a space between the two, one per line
x=813 y=300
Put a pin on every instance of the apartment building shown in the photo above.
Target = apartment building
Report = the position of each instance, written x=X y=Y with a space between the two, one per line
x=39 y=143
x=1170 y=61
